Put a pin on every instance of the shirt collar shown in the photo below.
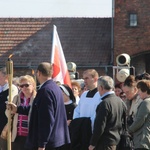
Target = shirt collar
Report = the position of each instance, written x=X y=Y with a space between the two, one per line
x=107 y=93
x=41 y=85
x=5 y=87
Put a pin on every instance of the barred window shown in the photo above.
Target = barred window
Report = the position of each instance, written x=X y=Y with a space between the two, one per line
x=133 y=20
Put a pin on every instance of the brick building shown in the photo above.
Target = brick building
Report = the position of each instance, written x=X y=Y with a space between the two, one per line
x=132 y=32
x=85 y=41
x=89 y=42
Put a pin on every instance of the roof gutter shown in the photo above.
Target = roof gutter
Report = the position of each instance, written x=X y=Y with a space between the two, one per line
x=102 y=66
x=27 y=67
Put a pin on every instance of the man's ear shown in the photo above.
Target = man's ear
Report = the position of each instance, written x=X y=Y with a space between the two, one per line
x=101 y=88
x=135 y=89
x=38 y=72
x=95 y=79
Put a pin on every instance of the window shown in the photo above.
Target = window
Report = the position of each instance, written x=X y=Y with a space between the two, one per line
x=133 y=20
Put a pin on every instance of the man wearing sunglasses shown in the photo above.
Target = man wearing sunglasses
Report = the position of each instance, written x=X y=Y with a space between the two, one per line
x=48 y=128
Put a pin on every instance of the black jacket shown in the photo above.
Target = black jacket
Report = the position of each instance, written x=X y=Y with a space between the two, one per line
x=108 y=121
x=3 y=118
x=80 y=131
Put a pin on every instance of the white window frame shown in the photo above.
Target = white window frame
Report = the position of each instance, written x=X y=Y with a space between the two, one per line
x=133 y=20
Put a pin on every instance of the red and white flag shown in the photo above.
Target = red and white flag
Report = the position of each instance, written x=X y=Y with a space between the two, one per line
x=60 y=70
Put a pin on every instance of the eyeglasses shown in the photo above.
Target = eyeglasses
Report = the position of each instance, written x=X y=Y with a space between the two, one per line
x=24 y=85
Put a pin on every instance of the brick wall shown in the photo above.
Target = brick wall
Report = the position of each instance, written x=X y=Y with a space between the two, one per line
x=132 y=40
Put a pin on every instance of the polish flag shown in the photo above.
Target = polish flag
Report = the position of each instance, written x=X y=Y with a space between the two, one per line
x=60 y=70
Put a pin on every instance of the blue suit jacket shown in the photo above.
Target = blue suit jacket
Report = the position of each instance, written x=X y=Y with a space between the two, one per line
x=48 y=123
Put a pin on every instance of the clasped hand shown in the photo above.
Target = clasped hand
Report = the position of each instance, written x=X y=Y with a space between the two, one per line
x=11 y=106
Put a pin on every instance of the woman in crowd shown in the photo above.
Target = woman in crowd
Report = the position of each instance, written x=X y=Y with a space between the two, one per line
x=69 y=101
x=70 y=104
x=123 y=96
x=133 y=100
x=140 y=128
x=20 y=120
x=142 y=76
x=119 y=92
x=76 y=90
x=118 y=89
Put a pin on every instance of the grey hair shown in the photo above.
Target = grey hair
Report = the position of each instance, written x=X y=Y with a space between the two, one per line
x=106 y=82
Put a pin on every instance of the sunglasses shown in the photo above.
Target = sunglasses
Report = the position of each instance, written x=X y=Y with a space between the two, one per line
x=24 y=85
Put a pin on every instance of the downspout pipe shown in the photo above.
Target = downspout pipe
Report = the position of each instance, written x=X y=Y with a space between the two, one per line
x=112 y=32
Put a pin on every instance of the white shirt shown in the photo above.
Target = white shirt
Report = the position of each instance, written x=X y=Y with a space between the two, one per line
x=77 y=100
x=87 y=107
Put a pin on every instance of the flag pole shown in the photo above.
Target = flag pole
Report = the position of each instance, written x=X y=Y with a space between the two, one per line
x=53 y=44
x=9 y=69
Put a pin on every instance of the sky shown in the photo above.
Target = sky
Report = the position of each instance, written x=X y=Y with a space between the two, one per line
x=55 y=8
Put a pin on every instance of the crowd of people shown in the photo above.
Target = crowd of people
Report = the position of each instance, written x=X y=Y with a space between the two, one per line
x=87 y=116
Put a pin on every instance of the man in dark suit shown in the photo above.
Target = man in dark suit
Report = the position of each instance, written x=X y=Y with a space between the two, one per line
x=48 y=128
x=108 y=121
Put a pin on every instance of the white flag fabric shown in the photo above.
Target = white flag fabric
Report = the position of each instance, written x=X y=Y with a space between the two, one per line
x=60 y=70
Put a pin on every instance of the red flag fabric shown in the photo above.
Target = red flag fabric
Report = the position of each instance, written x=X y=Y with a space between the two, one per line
x=60 y=70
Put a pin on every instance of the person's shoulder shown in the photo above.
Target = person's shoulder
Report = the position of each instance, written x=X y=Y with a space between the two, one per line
x=97 y=97
x=14 y=86
x=146 y=102
x=138 y=99
x=16 y=98
x=148 y=99
x=97 y=94
x=72 y=105
x=49 y=84
x=84 y=94
x=112 y=98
